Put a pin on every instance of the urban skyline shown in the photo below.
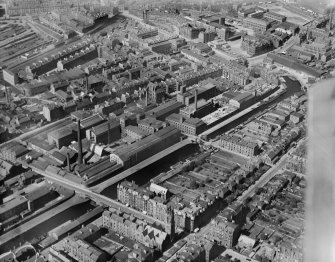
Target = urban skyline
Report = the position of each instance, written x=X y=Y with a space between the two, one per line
x=169 y=131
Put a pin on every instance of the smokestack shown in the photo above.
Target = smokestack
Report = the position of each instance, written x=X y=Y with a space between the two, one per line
x=109 y=133
x=80 y=146
x=196 y=99
x=68 y=161
x=146 y=98
x=181 y=119
x=7 y=96
x=331 y=18
x=182 y=89
x=87 y=83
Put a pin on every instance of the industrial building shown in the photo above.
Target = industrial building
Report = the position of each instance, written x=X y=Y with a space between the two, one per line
x=238 y=145
x=162 y=111
x=133 y=154
x=275 y=17
x=256 y=24
x=105 y=133
x=188 y=126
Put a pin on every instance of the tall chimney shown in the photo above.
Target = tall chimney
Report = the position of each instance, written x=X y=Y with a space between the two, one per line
x=196 y=99
x=181 y=89
x=87 y=83
x=109 y=133
x=68 y=161
x=7 y=96
x=146 y=98
x=80 y=146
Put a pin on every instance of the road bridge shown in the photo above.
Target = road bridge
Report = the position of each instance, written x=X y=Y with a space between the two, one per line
x=96 y=197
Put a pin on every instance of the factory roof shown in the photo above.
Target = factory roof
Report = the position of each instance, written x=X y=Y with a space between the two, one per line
x=243 y=96
x=146 y=142
x=60 y=133
x=91 y=121
x=194 y=122
x=165 y=108
x=38 y=193
x=12 y=204
x=103 y=128
x=150 y=121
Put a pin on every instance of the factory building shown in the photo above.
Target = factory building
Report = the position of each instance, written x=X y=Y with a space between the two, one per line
x=256 y=24
x=105 y=133
x=275 y=17
x=238 y=145
x=188 y=126
x=162 y=111
x=133 y=154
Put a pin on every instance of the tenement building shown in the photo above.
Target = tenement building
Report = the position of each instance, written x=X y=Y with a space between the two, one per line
x=135 y=229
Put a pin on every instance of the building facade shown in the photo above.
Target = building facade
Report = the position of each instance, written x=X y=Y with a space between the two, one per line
x=238 y=145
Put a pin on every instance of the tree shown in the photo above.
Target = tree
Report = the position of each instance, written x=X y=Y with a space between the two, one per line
x=208 y=180
x=193 y=184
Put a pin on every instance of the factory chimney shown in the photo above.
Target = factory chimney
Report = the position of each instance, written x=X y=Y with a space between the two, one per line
x=109 y=133
x=146 y=98
x=87 y=89
x=80 y=146
x=331 y=14
x=182 y=89
x=196 y=99
x=68 y=161
x=7 y=95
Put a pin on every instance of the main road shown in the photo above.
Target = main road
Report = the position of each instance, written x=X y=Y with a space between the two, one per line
x=264 y=179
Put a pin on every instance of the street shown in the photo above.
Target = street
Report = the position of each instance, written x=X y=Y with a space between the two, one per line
x=265 y=178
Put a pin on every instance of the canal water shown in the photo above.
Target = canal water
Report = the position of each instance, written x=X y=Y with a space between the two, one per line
x=143 y=176
x=293 y=86
x=42 y=229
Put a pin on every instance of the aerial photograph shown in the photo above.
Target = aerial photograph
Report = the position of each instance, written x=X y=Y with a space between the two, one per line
x=167 y=130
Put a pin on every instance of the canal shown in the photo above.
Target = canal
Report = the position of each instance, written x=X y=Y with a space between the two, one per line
x=143 y=176
x=293 y=86
x=43 y=228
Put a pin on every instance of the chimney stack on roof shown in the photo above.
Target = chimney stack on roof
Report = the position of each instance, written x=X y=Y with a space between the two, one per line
x=80 y=146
